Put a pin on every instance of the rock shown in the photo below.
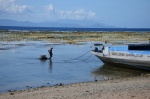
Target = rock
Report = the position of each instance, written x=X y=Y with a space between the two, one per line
x=43 y=57
x=60 y=84
x=11 y=93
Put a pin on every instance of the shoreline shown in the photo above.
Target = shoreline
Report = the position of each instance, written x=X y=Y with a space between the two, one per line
x=126 y=88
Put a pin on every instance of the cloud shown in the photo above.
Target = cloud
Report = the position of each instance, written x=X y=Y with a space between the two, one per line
x=91 y=14
x=11 y=6
x=50 y=8
x=70 y=14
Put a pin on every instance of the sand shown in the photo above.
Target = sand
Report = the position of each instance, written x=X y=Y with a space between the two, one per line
x=119 y=88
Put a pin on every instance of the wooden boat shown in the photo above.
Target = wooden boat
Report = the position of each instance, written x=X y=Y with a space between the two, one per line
x=132 y=55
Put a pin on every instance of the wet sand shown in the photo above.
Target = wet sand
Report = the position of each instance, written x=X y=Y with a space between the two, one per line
x=120 y=88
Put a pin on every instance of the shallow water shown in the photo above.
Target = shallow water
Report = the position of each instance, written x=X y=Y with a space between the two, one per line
x=20 y=67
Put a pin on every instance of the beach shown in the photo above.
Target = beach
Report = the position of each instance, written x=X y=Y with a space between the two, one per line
x=120 y=88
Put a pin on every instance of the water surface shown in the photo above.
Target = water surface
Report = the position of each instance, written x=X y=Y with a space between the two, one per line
x=20 y=66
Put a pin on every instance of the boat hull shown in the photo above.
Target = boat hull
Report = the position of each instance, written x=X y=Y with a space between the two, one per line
x=123 y=62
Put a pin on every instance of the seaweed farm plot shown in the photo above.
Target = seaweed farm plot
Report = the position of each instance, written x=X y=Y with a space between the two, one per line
x=73 y=37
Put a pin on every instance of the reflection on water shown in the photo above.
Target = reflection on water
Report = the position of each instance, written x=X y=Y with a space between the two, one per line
x=109 y=71
x=50 y=65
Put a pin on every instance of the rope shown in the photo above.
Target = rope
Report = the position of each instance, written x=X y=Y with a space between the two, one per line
x=87 y=58
x=80 y=57
x=77 y=57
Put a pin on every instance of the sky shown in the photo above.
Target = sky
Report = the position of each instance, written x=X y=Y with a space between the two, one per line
x=118 y=13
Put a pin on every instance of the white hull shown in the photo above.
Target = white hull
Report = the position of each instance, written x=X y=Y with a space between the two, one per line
x=124 y=58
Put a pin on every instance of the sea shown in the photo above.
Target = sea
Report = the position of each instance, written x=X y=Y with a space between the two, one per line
x=21 y=67
x=21 y=28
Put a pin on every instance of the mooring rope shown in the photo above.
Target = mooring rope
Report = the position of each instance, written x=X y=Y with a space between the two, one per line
x=72 y=58
x=87 y=58
x=77 y=57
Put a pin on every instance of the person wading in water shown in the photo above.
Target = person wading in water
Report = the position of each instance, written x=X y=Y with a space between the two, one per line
x=50 y=52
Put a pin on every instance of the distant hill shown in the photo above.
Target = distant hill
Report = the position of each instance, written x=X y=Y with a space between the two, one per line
x=59 y=23
x=7 y=22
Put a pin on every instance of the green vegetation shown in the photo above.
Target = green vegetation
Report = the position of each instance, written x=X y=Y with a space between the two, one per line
x=72 y=37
